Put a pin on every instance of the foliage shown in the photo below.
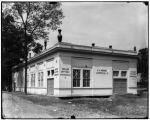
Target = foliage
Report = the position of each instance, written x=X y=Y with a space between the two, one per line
x=37 y=49
x=37 y=17
x=143 y=62
x=12 y=48
x=31 y=21
x=143 y=66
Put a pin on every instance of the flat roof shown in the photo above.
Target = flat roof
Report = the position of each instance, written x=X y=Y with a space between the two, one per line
x=69 y=47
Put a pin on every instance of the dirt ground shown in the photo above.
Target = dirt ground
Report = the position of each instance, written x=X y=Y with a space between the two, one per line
x=18 y=105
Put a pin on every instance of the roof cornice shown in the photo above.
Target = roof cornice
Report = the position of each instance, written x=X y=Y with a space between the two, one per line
x=68 y=47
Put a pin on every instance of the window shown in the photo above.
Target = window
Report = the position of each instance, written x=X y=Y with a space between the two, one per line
x=76 y=77
x=52 y=72
x=115 y=73
x=40 y=79
x=86 y=78
x=123 y=73
x=81 y=77
x=33 y=80
x=48 y=73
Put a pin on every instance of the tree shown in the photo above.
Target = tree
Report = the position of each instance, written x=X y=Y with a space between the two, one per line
x=37 y=49
x=143 y=64
x=12 y=48
x=36 y=18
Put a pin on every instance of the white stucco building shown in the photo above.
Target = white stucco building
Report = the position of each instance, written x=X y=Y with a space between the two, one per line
x=75 y=70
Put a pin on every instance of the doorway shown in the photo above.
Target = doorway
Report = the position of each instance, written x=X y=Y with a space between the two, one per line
x=50 y=86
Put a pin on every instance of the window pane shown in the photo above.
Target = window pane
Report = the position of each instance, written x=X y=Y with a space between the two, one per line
x=88 y=83
x=115 y=73
x=123 y=73
x=76 y=78
x=78 y=82
x=84 y=83
x=52 y=72
x=41 y=79
x=34 y=80
x=86 y=78
x=31 y=80
x=48 y=73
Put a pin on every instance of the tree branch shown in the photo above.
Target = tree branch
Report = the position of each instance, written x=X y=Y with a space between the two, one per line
x=28 y=14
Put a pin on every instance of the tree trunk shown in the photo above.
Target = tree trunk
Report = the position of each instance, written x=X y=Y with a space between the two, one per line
x=26 y=60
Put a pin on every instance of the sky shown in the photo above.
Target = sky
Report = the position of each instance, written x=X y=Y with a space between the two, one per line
x=120 y=24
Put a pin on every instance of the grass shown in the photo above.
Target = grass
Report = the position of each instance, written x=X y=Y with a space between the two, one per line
x=127 y=106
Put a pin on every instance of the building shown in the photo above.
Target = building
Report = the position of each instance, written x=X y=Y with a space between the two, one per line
x=75 y=70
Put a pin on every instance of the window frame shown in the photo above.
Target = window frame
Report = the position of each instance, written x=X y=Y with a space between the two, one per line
x=81 y=77
x=79 y=80
x=50 y=76
x=86 y=79
x=32 y=79
x=40 y=78
x=123 y=71
x=119 y=75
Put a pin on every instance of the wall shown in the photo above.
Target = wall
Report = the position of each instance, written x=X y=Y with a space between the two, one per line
x=64 y=62
x=102 y=77
x=42 y=65
x=64 y=76
x=132 y=81
x=101 y=74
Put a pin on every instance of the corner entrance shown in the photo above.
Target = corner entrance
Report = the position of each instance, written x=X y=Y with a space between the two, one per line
x=50 y=86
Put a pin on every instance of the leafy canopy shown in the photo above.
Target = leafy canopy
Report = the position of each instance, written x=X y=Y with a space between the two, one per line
x=36 y=18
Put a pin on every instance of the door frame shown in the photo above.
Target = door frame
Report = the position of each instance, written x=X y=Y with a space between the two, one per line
x=126 y=84
x=47 y=86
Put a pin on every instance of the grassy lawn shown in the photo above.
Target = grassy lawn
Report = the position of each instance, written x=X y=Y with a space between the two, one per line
x=125 y=106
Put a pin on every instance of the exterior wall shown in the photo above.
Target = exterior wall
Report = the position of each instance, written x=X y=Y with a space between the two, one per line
x=65 y=76
x=101 y=82
x=63 y=63
x=43 y=65
x=132 y=81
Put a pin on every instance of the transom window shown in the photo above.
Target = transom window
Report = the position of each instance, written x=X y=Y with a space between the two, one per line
x=50 y=73
x=116 y=73
x=123 y=73
x=119 y=73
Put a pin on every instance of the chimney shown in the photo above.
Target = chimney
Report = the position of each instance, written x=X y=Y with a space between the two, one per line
x=59 y=35
x=134 y=48
x=93 y=44
x=110 y=46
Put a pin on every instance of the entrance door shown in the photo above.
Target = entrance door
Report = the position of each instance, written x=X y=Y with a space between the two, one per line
x=50 y=86
x=120 y=86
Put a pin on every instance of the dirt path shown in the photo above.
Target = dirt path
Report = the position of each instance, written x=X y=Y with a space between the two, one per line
x=16 y=107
